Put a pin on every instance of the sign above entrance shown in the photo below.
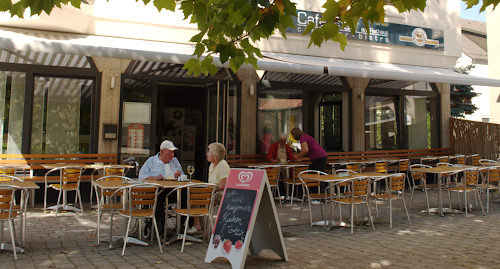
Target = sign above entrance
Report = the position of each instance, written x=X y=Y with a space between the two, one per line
x=391 y=33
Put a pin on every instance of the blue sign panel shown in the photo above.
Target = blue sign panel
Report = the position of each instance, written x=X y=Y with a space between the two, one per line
x=391 y=33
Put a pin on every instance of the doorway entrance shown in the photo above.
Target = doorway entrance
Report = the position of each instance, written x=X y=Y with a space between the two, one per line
x=191 y=112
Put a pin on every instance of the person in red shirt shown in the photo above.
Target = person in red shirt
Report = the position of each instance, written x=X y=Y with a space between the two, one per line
x=280 y=151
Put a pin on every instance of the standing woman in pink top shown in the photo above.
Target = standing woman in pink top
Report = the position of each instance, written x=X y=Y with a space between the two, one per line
x=310 y=148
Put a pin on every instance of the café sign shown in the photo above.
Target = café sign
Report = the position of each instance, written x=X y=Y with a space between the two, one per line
x=390 y=33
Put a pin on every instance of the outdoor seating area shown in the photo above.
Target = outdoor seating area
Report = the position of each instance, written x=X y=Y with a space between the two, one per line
x=375 y=196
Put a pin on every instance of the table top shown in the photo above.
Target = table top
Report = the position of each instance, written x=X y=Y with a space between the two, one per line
x=86 y=166
x=490 y=164
x=288 y=164
x=330 y=178
x=23 y=184
x=366 y=161
x=441 y=169
x=23 y=166
x=114 y=184
x=375 y=174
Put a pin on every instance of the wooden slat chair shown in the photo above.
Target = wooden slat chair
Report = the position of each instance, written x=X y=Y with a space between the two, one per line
x=141 y=204
x=309 y=195
x=468 y=184
x=108 y=170
x=69 y=180
x=483 y=161
x=460 y=160
x=105 y=203
x=360 y=195
x=489 y=183
x=294 y=181
x=7 y=212
x=199 y=204
x=353 y=166
x=273 y=175
x=444 y=159
x=8 y=175
x=421 y=178
x=449 y=175
x=396 y=188
x=404 y=166
x=475 y=159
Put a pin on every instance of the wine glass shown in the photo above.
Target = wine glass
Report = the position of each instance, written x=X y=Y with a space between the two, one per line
x=190 y=170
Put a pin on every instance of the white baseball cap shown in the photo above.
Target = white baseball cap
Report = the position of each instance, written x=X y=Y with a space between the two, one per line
x=167 y=144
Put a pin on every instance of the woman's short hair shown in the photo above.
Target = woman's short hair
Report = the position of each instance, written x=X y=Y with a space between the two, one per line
x=218 y=150
x=296 y=132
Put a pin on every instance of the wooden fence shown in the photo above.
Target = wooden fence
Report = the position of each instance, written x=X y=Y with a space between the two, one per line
x=473 y=137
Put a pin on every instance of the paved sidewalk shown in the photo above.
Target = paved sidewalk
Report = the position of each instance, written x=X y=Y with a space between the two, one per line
x=452 y=241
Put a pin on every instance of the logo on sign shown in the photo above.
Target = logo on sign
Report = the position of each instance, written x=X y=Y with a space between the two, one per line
x=419 y=38
x=245 y=177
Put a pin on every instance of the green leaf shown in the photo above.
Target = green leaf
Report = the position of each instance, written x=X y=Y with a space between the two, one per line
x=164 y=4
x=187 y=8
x=342 y=39
x=200 y=48
x=309 y=27
x=200 y=12
x=332 y=10
x=329 y=30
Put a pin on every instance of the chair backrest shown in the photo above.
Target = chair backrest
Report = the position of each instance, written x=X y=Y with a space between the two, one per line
x=443 y=164
x=201 y=194
x=494 y=174
x=397 y=182
x=310 y=183
x=273 y=175
x=71 y=175
x=444 y=159
x=9 y=178
x=297 y=170
x=404 y=164
x=354 y=167
x=8 y=170
x=114 y=170
x=471 y=177
x=350 y=172
x=140 y=195
x=419 y=175
x=475 y=159
x=7 y=199
x=360 y=186
x=381 y=166
x=483 y=161
x=461 y=159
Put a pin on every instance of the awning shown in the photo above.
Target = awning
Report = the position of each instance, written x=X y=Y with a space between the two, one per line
x=350 y=68
x=123 y=48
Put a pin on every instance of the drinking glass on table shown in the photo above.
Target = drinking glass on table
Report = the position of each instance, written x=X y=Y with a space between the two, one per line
x=190 y=170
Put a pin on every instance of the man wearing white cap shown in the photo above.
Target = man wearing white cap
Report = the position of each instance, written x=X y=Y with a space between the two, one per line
x=162 y=166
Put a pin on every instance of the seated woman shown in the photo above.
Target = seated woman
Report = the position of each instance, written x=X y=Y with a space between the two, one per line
x=280 y=151
x=218 y=172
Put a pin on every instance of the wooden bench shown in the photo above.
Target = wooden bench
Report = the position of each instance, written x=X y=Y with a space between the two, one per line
x=36 y=163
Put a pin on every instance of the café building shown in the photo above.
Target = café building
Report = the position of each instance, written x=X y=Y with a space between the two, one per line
x=108 y=78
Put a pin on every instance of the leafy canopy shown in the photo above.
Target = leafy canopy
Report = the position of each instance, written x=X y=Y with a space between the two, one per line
x=229 y=28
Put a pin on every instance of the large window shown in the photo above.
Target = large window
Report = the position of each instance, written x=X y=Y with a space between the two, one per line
x=380 y=123
x=12 y=88
x=278 y=112
x=331 y=121
x=61 y=115
x=421 y=122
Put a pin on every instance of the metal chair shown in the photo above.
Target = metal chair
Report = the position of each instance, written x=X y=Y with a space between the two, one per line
x=422 y=183
x=395 y=190
x=108 y=170
x=199 y=204
x=294 y=181
x=69 y=180
x=483 y=161
x=307 y=193
x=404 y=166
x=273 y=175
x=492 y=176
x=467 y=185
x=7 y=212
x=104 y=200
x=460 y=159
x=359 y=195
x=140 y=204
x=475 y=159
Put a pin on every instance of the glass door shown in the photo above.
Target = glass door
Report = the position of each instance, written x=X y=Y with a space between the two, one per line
x=222 y=115
x=331 y=122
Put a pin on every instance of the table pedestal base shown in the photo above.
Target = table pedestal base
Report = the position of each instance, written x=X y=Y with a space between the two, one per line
x=335 y=223
x=64 y=208
x=180 y=236
x=118 y=240
x=8 y=247
x=443 y=210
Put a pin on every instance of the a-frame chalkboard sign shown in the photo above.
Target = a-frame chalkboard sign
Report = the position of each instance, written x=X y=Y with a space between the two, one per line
x=247 y=219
